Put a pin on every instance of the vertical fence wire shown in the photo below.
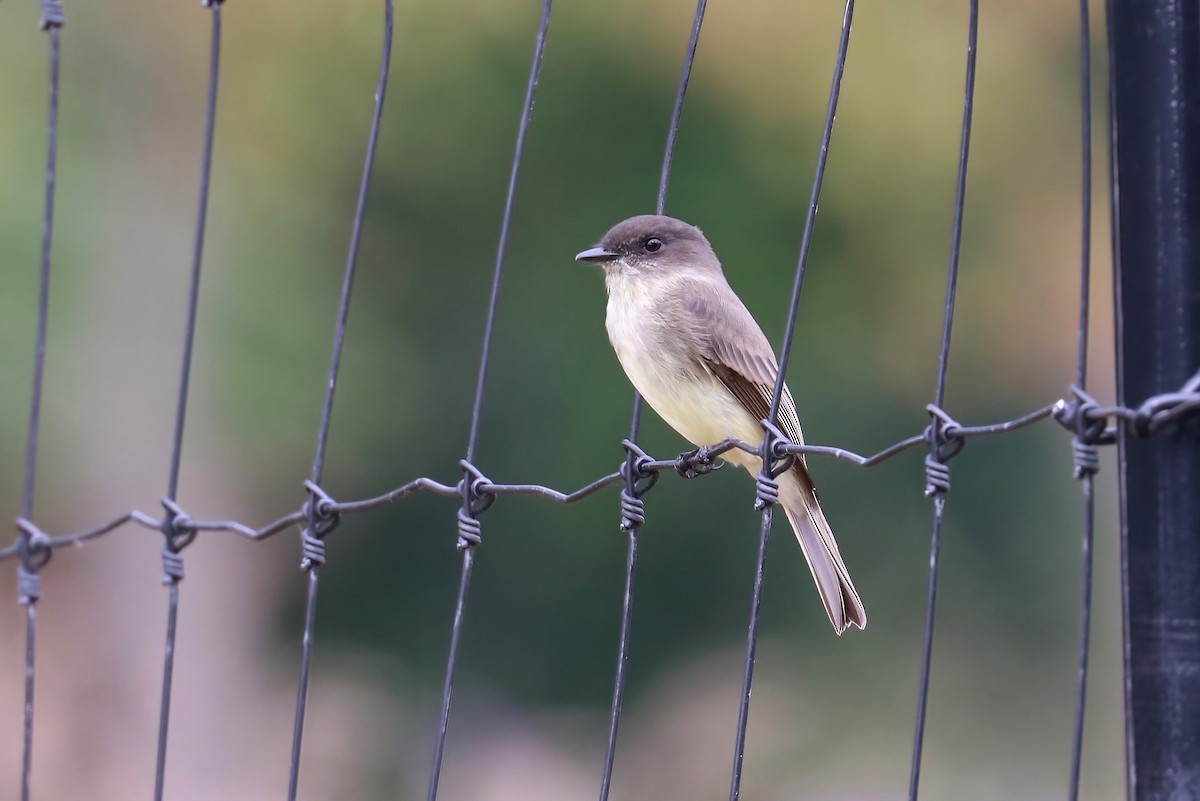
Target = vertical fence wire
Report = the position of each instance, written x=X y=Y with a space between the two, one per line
x=935 y=463
x=339 y=335
x=172 y=562
x=777 y=396
x=320 y=520
x=189 y=336
x=1085 y=618
x=505 y=224
x=52 y=22
x=54 y=32
x=632 y=490
x=1111 y=17
x=618 y=698
x=472 y=503
x=30 y=672
x=306 y=649
x=685 y=77
x=739 y=746
x=1084 y=469
x=164 y=710
x=439 y=748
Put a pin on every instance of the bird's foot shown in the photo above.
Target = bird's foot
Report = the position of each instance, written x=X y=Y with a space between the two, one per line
x=698 y=462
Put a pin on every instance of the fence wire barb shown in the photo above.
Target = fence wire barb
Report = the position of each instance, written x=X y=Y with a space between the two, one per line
x=1091 y=424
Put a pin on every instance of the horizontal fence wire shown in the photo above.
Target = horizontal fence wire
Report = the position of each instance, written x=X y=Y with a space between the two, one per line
x=1154 y=415
x=1091 y=424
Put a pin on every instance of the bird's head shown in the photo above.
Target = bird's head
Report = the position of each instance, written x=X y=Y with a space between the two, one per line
x=651 y=245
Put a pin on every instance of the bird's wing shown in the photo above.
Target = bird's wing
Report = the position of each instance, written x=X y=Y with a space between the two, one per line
x=734 y=349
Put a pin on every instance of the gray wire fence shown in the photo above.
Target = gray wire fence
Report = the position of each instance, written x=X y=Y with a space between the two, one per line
x=1090 y=424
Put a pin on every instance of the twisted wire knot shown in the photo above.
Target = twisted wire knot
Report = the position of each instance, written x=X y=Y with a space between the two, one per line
x=698 y=462
x=321 y=511
x=937 y=476
x=172 y=562
x=1160 y=410
x=945 y=438
x=470 y=531
x=323 y=518
x=1083 y=416
x=774 y=453
x=36 y=546
x=476 y=489
x=312 y=550
x=1087 y=457
x=477 y=496
x=766 y=491
x=776 y=461
x=639 y=478
x=636 y=470
x=52 y=15
x=944 y=433
x=177 y=526
x=178 y=533
x=633 y=511
x=29 y=586
x=1144 y=422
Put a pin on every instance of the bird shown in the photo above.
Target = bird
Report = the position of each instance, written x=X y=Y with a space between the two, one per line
x=694 y=352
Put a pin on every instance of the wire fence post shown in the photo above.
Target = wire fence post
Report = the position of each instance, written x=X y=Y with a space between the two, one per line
x=1155 y=79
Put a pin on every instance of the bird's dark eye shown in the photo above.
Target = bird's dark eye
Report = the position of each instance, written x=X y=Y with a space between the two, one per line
x=653 y=244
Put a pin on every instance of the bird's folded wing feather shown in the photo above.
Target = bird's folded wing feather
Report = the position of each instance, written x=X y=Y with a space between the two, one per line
x=734 y=349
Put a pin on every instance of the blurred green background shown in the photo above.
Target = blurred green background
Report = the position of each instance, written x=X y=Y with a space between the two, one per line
x=831 y=717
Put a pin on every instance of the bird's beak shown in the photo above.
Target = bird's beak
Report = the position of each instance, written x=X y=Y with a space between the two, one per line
x=596 y=254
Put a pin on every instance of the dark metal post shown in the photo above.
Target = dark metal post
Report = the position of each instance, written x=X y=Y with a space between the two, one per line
x=1155 y=63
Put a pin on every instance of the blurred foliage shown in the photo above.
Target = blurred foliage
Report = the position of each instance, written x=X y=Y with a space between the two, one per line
x=542 y=621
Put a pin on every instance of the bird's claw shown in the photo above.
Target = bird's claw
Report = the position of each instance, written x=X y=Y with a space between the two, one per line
x=698 y=462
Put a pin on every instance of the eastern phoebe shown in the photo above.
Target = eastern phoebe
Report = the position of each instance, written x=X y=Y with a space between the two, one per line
x=697 y=356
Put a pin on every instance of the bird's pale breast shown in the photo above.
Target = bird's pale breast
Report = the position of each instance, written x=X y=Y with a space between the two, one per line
x=662 y=362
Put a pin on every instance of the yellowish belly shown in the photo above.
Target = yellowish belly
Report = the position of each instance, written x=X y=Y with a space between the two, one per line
x=691 y=401
x=664 y=369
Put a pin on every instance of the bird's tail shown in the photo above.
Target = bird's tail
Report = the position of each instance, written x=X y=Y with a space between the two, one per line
x=798 y=497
